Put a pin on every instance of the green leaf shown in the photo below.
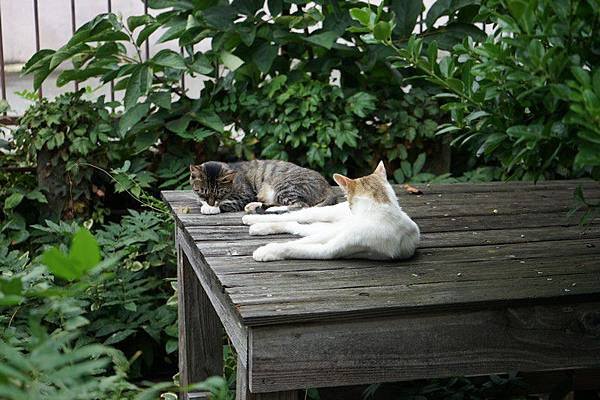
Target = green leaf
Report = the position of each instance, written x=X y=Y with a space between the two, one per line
x=85 y=252
x=201 y=64
x=146 y=32
x=220 y=17
x=382 y=31
x=582 y=76
x=169 y=58
x=362 y=15
x=264 y=56
x=275 y=7
x=536 y=51
x=399 y=176
x=37 y=195
x=138 y=85
x=209 y=119
x=78 y=75
x=362 y=104
x=522 y=11
x=36 y=61
x=132 y=117
x=439 y=8
x=179 y=125
x=406 y=168
x=406 y=13
x=13 y=200
x=588 y=156
x=446 y=67
x=59 y=264
x=138 y=20
x=454 y=33
x=596 y=82
x=231 y=61
x=161 y=99
x=419 y=163
x=324 y=39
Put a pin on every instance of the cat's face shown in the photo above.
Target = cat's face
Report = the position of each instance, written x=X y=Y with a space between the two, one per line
x=373 y=188
x=212 y=181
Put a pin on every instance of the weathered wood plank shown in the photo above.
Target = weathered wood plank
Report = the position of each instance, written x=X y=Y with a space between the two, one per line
x=380 y=275
x=448 y=207
x=481 y=187
x=424 y=346
x=430 y=225
x=306 y=304
x=461 y=242
x=242 y=388
x=233 y=237
x=200 y=332
x=439 y=203
x=220 y=302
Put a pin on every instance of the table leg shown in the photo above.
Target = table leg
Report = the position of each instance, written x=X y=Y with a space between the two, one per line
x=200 y=330
x=243 y=391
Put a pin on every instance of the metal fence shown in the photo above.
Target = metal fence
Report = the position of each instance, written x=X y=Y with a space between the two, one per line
x=36 y=27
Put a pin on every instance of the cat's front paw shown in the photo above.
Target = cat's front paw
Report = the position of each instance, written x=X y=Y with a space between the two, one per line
x=270 y=252
x=209 y=210
x=263 y=228
x=251 y=219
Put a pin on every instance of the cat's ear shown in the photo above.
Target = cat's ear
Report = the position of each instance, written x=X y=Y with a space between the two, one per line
x=341 y=180
x=195 y=169
x=227 y=176
x=380 y=170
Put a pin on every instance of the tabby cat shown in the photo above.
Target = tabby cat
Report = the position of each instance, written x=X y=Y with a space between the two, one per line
x=258 y=185
x=371 y=225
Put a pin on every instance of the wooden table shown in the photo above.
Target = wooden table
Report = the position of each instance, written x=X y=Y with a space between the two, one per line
x=503 y=281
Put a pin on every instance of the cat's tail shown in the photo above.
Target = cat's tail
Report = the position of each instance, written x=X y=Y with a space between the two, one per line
x=331 y=199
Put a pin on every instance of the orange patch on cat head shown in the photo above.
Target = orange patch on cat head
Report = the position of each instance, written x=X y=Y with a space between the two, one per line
x=372 y=186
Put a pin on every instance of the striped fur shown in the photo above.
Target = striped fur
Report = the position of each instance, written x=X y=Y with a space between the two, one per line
x=230 y=187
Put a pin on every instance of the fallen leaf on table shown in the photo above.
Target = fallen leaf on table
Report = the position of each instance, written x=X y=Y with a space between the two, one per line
x=183 y=210
x=412 y=189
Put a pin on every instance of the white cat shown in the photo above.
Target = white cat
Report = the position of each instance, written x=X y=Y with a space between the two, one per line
x=371 y=225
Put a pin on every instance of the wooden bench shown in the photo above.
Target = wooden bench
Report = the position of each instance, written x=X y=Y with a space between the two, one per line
x=503 y=281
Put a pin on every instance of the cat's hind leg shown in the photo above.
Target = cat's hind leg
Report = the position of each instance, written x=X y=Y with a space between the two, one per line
x=339 y=246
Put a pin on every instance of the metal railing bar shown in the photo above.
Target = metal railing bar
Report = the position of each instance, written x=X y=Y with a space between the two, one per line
x=36 y=22
x=2 y=72
x=182 y=75
x=73 y=26
x=112 y=83
x=147 y=44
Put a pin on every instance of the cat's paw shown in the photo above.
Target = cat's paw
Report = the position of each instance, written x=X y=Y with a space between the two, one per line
x=264 y=228
x=270 y=252
x=254 y=207
x=251 y=219
x=209 y=210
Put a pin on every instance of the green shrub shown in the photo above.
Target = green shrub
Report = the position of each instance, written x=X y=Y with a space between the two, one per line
x=63 y=137
x=304 y=43
x=528 y=97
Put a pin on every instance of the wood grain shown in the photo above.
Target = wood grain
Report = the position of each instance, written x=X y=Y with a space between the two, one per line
x=422 y=346
x=237 y=332
x=200 y=332
x=242 y=389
